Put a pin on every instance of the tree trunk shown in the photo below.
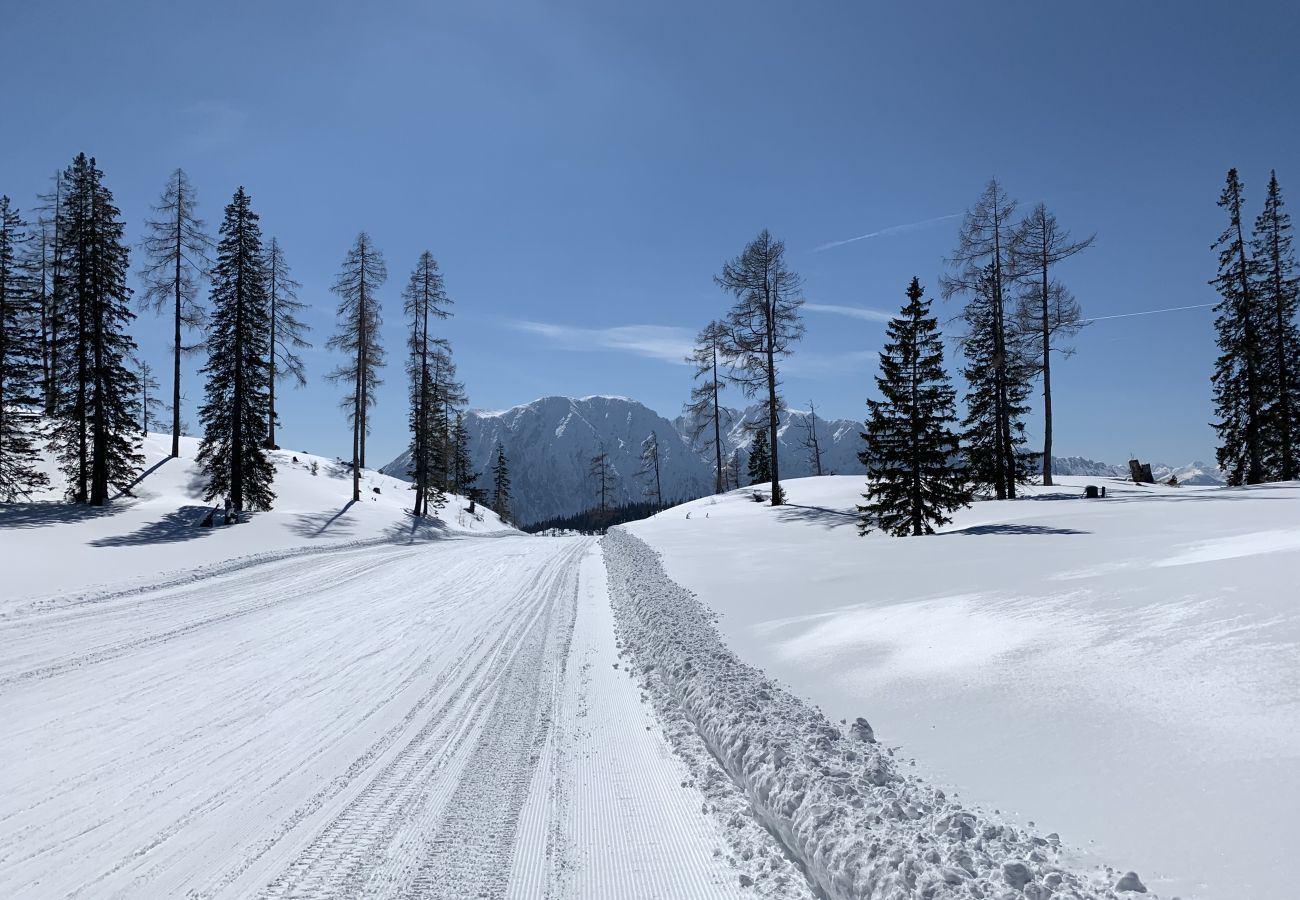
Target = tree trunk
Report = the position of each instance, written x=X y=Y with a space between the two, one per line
x=176 y=337
x=717 y=425
x=270 y=400
x=1047 y=379
x=1254 y=456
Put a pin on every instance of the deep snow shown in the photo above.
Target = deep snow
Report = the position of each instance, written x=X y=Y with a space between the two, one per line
x=1124 y=672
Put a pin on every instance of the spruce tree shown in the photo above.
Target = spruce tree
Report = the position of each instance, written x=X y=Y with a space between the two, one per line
x=288 y=333
x=913 y=484
x=464 y=477
x=176 y=247
x=20 y=361
x=357 y=287
x=95 y=434
x=704 y=411
x=760 y=460
x=1239 y=391
x=425 y=300
x=233 y=456
x=1278 y=289
x=51 y=287
x=501 y=484
x=762 y=326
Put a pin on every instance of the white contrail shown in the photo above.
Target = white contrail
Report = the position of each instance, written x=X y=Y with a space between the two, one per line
x=892 y=229
x=1149 y=312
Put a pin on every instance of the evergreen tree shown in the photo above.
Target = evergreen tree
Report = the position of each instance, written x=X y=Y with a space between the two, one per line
x=20 y=361
x=649 y=469
x=357 y=286
x=95 y=434
x=464 y=477
x=426 y=299
x=1046 y=312
x=984 y=269
x=731 y=473
x=501 y=485
x=997 y=401
x=288 y=333
x=912 y=485
x=149 y=403
x=450 y=394
x=1278 y=290
x=233 y=455
x=704 y=411
x=51 y=287
x=762 y=326
x=1239 y=391
x=760 y=460
x=176 y=248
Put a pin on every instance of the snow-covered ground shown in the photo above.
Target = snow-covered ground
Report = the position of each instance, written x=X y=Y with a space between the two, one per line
x=1125 y=672
x=326 y=701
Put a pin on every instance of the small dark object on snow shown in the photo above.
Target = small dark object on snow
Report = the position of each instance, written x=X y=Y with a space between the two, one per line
x=375 y=489
x=1131 y=882
x=295 y=459
x=471 y=507
x=1090 y=492
x=209 y=519
x=861 y=730
x=1140 y=472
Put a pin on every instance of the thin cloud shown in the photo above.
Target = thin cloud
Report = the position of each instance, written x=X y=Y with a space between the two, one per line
x=1149 y=312
x=667 y=343
x=853 y=312
x=892 y=229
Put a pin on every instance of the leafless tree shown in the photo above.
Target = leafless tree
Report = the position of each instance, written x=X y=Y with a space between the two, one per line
x=287 y=330
x=650 y=468
x=704 y=411
x=810 y=442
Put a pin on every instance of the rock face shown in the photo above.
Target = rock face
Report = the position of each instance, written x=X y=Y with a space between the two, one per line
x=861 y=730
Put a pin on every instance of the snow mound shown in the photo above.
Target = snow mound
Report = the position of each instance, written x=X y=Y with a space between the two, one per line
x=841 y=808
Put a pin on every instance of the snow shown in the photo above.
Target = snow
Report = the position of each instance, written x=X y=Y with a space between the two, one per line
x=1125 y=672
x=362 y=712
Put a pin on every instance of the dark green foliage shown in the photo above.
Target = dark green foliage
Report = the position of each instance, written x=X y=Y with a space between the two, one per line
x=288 y=332
x=1278 y=290
x=594 y=521
x=426 y=299
x=95 y=429
x=913 y=484
x=501 y=485
x=20 y=361
x=1239 y=393
x=760 y=459
x=233 y=456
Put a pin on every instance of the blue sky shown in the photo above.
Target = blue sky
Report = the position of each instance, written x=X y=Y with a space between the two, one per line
x=582 y=169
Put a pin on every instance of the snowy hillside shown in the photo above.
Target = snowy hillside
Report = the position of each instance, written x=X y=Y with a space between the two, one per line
x=1125 y=672
x=550 y=442
x=155 y=529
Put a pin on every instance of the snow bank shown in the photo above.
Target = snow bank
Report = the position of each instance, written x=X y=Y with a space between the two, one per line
x=856 y=825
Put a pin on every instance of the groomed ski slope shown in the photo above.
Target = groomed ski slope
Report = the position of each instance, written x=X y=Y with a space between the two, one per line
x=1125 y=672
x=440 y=720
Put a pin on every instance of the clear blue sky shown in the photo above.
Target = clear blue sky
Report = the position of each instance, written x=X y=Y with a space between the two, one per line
x=582 y=169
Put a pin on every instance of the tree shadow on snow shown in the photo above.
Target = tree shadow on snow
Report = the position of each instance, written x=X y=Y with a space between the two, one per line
x=1015 y=529
x=176 y=526
x=127 y=491
x=315 y=525
x=817 y=515
x=413 y=530
x=43 y=513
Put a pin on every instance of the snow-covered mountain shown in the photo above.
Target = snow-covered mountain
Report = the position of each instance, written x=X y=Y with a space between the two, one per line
x=550 y=442
x=839 y=439
x=1194 y=473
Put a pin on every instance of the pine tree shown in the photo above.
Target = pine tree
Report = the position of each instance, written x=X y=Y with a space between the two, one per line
x=464 y=477
x=95 y=433
x=1238 y=379
x=288 y=333
x=501 y=485
x=426 y=299
x=149 y=403
x=20 y=361
x=996 y=403
x=760 y=460
x=1046 y=311
x=233 y=455
x=649 y=469
x=1278 y=289
x=176 y=248
x=357 y=286
x=984 y=268
x=762 y=326
x=912 y=484
x=704 y=411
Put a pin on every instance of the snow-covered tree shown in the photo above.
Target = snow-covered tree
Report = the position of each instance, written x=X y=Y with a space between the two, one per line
x=704 y=411
x=1239 y=390
x=912 y=483
x=95 y=434
x=1278 y=290
x=288 y=332
x=176 y=248
x=425 y=300
x=233 y=456
x=762 y=326
x=357 y=286
x=20 y=361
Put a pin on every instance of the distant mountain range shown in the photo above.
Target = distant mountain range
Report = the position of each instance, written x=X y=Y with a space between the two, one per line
x=550 y=442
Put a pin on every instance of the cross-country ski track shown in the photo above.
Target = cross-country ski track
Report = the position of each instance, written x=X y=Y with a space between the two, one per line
x=445 y=719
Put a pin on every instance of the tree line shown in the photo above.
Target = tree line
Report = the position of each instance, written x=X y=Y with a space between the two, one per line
x=71 y=379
